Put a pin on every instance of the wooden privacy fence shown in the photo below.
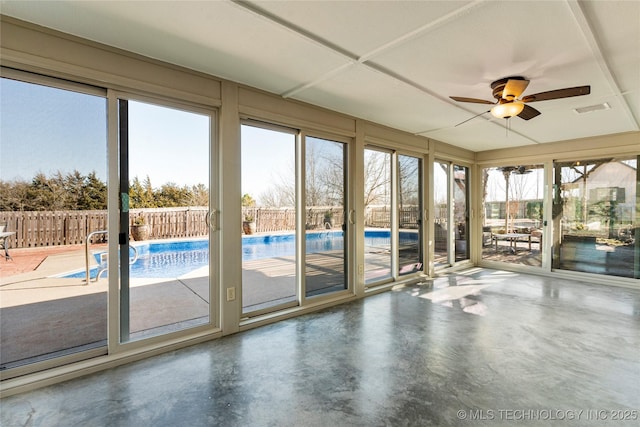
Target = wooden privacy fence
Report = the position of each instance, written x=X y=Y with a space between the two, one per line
x=172 y=223
x=46 y=228
x=281 y=219
x=380 y=217
x=284 y=219
x=409 y=217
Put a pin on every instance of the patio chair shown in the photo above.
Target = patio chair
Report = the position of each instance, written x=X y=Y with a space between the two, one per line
x=4 y=235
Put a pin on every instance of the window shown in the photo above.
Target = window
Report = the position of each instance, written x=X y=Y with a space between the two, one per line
x=461 y=211
x=441 y=215
x=410 y=257
x=53 y=180
x=513 y=202
x=290 y=254
x=269 y=238
x=166 y=266
x=451 y=217
x=595 y=216
x=325 y=220
x=378 y=216
x=393 y=234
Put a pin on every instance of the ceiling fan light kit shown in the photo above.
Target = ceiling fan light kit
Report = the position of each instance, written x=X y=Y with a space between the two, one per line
x=507 y=92
x=507 y=109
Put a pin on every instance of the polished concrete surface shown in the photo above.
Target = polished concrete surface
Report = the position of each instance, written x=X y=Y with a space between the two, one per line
x=481 y=347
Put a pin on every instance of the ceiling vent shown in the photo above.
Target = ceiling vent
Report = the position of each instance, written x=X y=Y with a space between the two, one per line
x=592 y=108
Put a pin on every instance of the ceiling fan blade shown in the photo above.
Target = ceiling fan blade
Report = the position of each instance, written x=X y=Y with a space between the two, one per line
x=558 y=93
x=484 y=112
x=514 y=88
x=473 y=100
x=528 y=113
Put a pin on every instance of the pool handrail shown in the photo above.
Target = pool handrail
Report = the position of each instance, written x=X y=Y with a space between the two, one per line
x=100 y=271
x=104 y=258
x=86 y=252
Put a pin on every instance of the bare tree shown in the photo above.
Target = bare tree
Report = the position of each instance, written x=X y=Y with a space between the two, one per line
x=377 y=177
x=325 y=179
x=408 y=170
x=328 y=161
x=282 y=192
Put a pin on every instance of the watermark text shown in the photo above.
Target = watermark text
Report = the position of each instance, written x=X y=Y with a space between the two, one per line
x=549 y=414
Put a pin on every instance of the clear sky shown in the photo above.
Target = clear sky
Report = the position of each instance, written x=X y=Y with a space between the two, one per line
x=267 y=157
x=168 y=145
x=47 y=130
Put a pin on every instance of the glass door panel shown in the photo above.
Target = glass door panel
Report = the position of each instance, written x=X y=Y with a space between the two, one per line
x=165 y=285
x=409 y=214
x=53 y=197
x=441 y=214
x=595 y=216
x=513 y=207
x=377 y=200
x=461 y=212
x=325 y=223
x=269 y=219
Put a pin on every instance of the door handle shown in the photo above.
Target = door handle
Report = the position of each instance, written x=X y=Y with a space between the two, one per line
x=212 y=220
x=350 y=216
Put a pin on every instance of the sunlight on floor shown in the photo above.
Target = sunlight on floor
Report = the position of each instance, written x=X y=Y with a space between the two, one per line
x=459 y=290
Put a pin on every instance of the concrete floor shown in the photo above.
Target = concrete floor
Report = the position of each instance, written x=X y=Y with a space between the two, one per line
x=480 y=347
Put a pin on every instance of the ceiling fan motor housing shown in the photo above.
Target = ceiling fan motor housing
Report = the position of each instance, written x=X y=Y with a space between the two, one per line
x=498 y=88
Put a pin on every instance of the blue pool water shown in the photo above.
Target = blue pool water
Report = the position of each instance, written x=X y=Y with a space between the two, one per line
x=174 y=259
x=269 y=246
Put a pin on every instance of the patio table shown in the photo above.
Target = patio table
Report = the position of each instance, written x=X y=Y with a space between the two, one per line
x=3 y=243
x=512 y=238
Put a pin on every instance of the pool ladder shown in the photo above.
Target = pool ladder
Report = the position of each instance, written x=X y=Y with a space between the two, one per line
x=102 y=267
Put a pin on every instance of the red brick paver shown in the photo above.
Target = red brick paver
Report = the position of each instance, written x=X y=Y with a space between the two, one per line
x=28 y=259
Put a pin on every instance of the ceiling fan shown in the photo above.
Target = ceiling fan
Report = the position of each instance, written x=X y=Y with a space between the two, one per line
x=507 y=92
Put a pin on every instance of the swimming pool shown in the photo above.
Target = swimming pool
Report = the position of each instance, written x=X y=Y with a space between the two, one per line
x=176 y=258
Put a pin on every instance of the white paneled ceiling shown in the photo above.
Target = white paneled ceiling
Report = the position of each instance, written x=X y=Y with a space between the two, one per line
x=392 y=62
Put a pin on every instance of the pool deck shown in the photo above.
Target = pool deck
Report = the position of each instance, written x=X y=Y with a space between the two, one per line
x=45 y=315
x=41 y=314
x=34 y=261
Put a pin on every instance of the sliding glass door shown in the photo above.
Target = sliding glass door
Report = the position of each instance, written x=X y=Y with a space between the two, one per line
x=167 y=251
x=393 y=235
x=295 y=230
x=269 y=236
x=461 y=211
x=53 y=206
x=513 y=207
x=378 y=215
x=410 y=256
x=441 y=203
x=451 y=216
x=326 y=241
x=595 y=216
